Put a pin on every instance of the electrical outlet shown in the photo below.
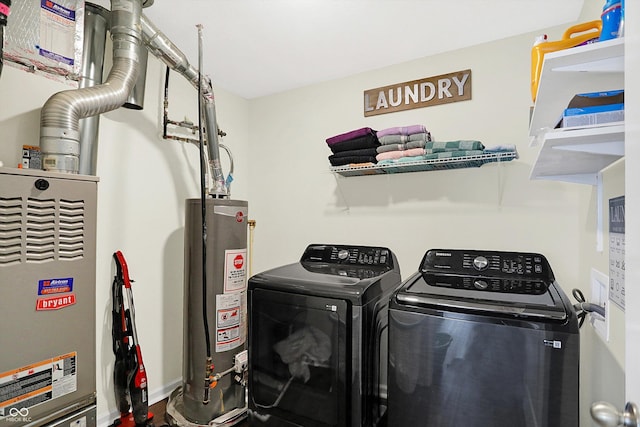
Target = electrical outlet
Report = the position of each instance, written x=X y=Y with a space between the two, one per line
x=600 y=296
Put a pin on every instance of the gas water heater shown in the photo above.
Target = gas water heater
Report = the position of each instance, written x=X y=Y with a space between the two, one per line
x=215 y=316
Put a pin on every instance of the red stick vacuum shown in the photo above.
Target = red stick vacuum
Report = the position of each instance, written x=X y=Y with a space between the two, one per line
x=129 y=377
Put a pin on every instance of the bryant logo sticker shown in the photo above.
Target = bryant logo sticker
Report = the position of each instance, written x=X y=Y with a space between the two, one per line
x=239 y=216
x=55 y=303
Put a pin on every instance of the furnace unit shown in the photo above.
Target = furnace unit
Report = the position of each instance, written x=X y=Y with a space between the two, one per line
x=47 y=298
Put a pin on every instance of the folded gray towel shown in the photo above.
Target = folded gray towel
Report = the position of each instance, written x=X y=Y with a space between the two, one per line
x=400 y=147
x=402 y=139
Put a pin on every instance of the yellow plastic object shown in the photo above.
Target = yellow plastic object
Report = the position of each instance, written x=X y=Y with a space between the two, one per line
x=572 y=37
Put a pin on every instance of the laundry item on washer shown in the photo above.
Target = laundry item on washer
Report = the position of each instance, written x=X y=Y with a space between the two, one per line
x=304 y=347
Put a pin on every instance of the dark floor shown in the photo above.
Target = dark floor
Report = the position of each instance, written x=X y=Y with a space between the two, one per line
x=158 y=411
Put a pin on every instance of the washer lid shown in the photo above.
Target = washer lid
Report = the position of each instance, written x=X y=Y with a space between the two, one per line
x=513 y=283
x=357 y=273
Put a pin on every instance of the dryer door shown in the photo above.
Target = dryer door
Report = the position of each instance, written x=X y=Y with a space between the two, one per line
x=298 y=359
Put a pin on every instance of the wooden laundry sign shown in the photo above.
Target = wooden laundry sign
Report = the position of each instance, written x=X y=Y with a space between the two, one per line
x=442 y=89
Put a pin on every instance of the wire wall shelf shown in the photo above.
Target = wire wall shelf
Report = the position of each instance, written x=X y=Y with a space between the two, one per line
x=425 y=165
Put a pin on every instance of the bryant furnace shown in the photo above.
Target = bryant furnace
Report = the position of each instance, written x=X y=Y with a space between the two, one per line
x=483 y=338
x=47 y=298
x=318 y=338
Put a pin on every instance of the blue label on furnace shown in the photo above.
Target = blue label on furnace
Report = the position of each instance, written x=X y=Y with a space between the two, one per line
x=55 y=286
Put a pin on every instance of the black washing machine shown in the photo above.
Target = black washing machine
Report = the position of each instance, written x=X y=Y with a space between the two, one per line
x=318 y=338
x=483 y=339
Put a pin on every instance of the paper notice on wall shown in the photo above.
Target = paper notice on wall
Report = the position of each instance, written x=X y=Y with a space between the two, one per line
x=235 y=270
x=57 y=30
x=46 y=37
x=230 y=321
x=616 y=250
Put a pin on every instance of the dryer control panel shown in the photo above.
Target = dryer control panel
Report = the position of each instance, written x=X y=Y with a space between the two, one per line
x=349 y=255
x=524 y=265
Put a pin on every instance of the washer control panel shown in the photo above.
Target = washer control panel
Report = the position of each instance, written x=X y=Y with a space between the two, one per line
x=349 y=255
x=487 y=264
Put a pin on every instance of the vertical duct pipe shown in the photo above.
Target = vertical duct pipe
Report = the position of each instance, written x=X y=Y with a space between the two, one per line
x=61 y=114
x=136 y=97
x=161 y=47
x=96 y=22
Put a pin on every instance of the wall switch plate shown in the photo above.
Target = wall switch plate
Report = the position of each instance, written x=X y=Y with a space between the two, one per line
x=600 y=296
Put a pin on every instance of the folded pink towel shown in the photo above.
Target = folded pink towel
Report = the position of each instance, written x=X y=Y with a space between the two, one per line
x=406 y=130
x=398 y=154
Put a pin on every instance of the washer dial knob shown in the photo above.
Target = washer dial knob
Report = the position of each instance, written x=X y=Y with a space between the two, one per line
x=343 y=254
x=480 y=262
x=481 y=284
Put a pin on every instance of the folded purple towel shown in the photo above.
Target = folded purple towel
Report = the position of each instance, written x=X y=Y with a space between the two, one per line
x=405 y=130
x=350 y=135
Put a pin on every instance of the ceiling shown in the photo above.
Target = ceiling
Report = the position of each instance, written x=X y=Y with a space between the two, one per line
x=254 y=48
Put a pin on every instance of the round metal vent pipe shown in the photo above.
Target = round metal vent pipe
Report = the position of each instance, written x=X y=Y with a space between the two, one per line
x=161 y=47
x=96 y=22
x=61 y=114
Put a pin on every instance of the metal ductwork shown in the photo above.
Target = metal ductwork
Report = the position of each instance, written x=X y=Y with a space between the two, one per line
x=61 y=114
x=96 y=23
x=59 y=122
x=161 y=47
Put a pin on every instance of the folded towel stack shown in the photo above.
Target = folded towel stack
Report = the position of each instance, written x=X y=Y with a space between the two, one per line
x=399 y=142
x=356 y=146
x=441 y=147
x=435 y=150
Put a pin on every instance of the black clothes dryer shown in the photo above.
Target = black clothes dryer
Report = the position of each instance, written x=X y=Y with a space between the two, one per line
x=483 y=339
x=318 y=338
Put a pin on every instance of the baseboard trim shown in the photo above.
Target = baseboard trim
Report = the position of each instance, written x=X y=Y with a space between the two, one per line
x=155 y=396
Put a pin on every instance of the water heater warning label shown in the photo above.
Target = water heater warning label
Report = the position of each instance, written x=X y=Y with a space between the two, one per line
x=40 y=382
x=235 y=270
x=231 y=321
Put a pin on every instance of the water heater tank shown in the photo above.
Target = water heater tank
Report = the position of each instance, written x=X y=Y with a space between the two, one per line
x=226 y=302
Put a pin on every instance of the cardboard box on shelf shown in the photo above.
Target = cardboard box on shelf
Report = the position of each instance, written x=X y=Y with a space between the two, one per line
x=594 y=108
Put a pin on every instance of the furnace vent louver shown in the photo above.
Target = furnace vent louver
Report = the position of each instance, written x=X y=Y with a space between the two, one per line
x=71 y=244
x=41 y=230
x=10 y=230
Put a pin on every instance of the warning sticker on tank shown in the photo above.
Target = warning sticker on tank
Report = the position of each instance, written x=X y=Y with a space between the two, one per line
x=25 y=387
x=231 y=321
x=235 y=270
